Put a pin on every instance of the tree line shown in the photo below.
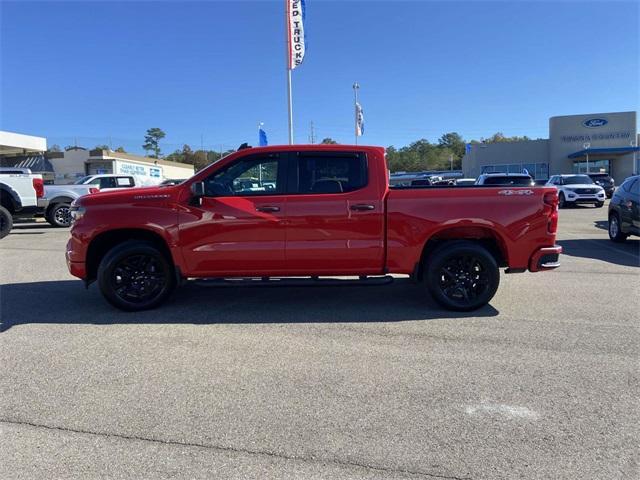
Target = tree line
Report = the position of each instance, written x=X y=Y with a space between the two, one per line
x=420 y=155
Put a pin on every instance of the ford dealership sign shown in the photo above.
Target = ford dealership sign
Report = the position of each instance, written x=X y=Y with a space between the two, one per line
x=595 y=122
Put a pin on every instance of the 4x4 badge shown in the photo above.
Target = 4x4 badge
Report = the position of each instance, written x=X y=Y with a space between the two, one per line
x=515 y=192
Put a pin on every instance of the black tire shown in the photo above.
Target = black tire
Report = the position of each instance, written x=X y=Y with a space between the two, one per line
x=615 y=232
x=462 y=275
x=6 y=222
x=59 y=215
x=562 y=203
x=599 y=204
x=129 y=269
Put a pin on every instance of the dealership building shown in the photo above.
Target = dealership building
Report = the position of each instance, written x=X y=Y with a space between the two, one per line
x=597 y=142
x=76 y=162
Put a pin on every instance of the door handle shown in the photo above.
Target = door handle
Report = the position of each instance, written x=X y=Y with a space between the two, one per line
x=268 y=208
x=361 y=207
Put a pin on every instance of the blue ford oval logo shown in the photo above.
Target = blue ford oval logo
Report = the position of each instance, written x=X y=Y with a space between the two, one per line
x=595 y=122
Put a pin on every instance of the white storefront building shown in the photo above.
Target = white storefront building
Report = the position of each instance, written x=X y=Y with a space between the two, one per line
x=596 y=142
x=76 y=162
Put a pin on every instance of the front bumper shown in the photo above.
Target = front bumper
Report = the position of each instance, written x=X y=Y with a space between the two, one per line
x=585 y=198
x=76 y=268
x=546 y=258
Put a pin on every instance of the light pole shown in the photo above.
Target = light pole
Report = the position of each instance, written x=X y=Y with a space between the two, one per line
x=356 y=87
x=586 y=146
x=635 y=165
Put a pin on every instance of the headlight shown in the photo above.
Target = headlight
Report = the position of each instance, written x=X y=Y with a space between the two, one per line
x=77 y=212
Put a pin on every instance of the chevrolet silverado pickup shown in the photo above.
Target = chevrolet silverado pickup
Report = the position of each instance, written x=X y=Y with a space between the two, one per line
x=310 y=211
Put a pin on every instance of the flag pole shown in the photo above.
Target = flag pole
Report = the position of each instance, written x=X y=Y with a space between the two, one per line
x=355 y=109
x=287 y=51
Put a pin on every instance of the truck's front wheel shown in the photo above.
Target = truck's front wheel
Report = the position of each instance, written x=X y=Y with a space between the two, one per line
x=135 y=275
x=462 y=275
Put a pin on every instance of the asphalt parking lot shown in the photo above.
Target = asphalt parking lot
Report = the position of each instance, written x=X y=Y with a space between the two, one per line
x=334 y=382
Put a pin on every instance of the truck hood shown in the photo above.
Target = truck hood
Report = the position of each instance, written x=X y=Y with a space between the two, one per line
x=130 y=196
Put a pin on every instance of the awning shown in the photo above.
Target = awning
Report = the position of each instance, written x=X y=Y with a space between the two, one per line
x=604 y=151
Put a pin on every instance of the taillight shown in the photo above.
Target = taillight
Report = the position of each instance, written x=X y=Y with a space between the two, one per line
x=551 y=199
x=94 y=190
x=38 y=186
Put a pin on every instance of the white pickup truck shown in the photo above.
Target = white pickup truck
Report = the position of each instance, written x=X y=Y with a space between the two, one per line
x=58 y=198
x=20 y=196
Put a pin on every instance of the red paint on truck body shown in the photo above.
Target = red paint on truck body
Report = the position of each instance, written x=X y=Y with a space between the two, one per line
x=371 y=230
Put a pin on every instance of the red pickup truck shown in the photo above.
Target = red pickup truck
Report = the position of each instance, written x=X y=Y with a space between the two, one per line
x=309 y=211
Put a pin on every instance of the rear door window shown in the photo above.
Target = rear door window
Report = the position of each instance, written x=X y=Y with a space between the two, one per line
x=107 y=182
x=124 y=182
x=326 y=173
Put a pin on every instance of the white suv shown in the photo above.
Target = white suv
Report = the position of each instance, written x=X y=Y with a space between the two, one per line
x=577 y=189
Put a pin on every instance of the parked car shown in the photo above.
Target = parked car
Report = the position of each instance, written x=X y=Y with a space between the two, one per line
x=505 y=179
x=58 y=198
x=20 y=194
x=465 y=181
x=577 y=189
x=624 y=210
x=331 y=213
x=605 y=181
x=540 y=182
x=109 y=181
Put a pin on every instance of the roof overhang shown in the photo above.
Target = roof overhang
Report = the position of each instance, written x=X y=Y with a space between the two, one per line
x=17 y=143
x=615 y=151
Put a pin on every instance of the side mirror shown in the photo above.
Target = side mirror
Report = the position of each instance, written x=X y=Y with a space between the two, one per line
x=197 y=189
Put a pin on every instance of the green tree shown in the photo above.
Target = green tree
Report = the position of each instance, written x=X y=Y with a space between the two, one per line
x=121 y=150
x=101 y=147
x=152 y=141
x=454 y=142
x=54 y=148
x=328 y=141
x=500 y=137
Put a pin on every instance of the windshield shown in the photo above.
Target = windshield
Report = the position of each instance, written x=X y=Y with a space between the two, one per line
x=577 y=180
x=82 y=180
x=514 y=181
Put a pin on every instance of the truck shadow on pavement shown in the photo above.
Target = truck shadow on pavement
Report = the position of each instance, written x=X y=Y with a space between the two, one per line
x=67 y=302
x=626 y=253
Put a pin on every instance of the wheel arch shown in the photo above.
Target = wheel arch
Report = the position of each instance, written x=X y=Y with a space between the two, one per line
x=105 y=241
x=9 y=198
x=57 y=200
x=487 y=237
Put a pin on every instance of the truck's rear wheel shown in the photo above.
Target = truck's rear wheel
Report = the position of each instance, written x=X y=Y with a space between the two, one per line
x=6 y=222
x=462 y=275
x=60 y=215
x=135 y=276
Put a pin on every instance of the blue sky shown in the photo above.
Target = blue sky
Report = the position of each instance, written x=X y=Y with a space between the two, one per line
x=212 y=70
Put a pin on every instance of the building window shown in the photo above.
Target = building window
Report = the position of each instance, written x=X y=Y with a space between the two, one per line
x=595 y=166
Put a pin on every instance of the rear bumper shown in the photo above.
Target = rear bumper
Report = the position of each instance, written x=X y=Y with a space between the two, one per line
x=546 y=258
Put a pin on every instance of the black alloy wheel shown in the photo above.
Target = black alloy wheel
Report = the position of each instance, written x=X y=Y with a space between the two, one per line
x=462 y=276
x=135 y=276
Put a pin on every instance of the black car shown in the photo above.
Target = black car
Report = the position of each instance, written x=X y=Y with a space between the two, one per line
x=624 y=210
x=605 y=181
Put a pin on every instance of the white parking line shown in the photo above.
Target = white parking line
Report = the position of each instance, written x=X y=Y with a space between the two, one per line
x=502 y=409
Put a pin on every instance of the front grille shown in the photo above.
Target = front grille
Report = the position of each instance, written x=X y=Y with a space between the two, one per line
x=583 y=191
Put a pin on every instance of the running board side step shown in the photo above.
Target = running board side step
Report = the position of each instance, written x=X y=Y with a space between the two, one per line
x=294 y=281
